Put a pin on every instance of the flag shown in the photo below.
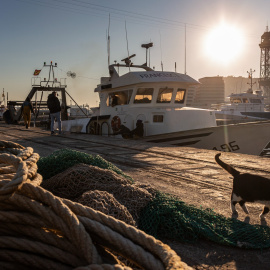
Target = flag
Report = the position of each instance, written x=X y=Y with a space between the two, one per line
x=36 y=72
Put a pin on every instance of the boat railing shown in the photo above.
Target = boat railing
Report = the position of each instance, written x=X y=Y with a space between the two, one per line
x=217 y=106
x=243 y=107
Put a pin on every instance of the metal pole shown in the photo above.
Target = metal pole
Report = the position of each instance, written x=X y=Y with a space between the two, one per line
x=185 y=48
x=76 y=104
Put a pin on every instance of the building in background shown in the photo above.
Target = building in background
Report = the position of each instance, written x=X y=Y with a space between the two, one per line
x=210 y=91
x=215 y=90
x=237 y=85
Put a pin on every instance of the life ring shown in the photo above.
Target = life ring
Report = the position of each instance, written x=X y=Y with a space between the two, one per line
x=116 y=123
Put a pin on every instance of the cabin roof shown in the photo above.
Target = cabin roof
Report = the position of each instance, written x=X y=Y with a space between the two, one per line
x=246 y=95
x=151 y=77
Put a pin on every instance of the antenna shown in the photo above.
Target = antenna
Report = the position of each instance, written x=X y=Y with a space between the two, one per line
x=108 y=40
x=185 y=48
x=128 y=61
x=127 y=44
x=149 y=55
x=250 y=77
x=147 y=46
x=160 y=51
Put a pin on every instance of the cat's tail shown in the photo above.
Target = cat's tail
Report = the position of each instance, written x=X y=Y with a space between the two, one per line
x=225 y=166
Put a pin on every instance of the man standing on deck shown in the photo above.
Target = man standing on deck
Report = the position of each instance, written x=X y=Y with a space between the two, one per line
x=53 y=104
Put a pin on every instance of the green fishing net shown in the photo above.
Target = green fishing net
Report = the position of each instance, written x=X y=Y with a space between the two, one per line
x=167 y=216
x=61 y=160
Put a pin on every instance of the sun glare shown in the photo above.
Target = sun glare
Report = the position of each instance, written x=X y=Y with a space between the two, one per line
x=224 y=44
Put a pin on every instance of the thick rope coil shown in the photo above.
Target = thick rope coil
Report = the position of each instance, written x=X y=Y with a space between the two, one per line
x=9 y=144
x=42 y=231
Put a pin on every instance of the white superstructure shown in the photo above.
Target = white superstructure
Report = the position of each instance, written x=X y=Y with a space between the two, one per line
x=156 y=98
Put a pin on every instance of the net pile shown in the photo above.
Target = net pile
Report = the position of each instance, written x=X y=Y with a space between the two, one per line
x=167 y=216
x=41 y=231
x=155 y=213
x=61 y=160
x=81 y=182
x=106 y=203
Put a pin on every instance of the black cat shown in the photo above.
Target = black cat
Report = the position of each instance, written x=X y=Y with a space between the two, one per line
x=247 y=188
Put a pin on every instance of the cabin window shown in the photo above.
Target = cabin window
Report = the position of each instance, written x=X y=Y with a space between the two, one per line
x=236 y=100
x=144 y=95
x=255 y=100
x=158 y=118
x=119 y=98
x=180 y=95
x=164 y=95
x=245 y=100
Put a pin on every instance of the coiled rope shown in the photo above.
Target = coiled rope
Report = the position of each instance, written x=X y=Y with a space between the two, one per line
x=42 y=231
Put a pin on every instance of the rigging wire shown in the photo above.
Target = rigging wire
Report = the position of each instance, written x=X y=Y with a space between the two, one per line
x=98 y=14
x=127 y=45
x=100 y=10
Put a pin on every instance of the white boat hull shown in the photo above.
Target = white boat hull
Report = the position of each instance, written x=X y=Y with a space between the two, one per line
x=246 y=138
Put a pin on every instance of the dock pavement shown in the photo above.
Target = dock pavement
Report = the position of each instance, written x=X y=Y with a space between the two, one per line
x=189 y=173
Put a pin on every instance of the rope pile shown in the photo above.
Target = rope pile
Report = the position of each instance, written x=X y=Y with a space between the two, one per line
x=42 y=231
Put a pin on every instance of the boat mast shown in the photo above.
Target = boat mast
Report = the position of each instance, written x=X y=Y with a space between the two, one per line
x=250 y=77
x=108 y=41
x=185 y=48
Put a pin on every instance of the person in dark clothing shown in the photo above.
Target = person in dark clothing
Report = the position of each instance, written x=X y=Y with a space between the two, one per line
x=135 y=133
x=53 y=104
x=26 y=110
x=114 y=100
x=7 y=117
x=124 y=131
x=139 y=130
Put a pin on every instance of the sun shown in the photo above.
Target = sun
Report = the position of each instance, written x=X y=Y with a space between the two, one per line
x=224 y=43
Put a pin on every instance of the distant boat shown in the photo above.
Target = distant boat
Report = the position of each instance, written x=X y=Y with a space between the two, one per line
x=243 y=107
x=156 y=101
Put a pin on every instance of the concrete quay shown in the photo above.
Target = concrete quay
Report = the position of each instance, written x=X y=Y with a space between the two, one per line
x=189 y=173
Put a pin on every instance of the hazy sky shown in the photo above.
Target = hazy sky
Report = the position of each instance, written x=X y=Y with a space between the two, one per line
x=222 y=38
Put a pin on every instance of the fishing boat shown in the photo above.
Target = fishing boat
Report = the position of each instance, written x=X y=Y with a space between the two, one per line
x=243 y=107
x=151 y=106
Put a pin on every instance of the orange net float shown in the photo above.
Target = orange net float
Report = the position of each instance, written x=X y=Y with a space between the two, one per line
x=115 y=123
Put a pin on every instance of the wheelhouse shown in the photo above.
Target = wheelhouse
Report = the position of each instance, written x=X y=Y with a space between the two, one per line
x=146 y=95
